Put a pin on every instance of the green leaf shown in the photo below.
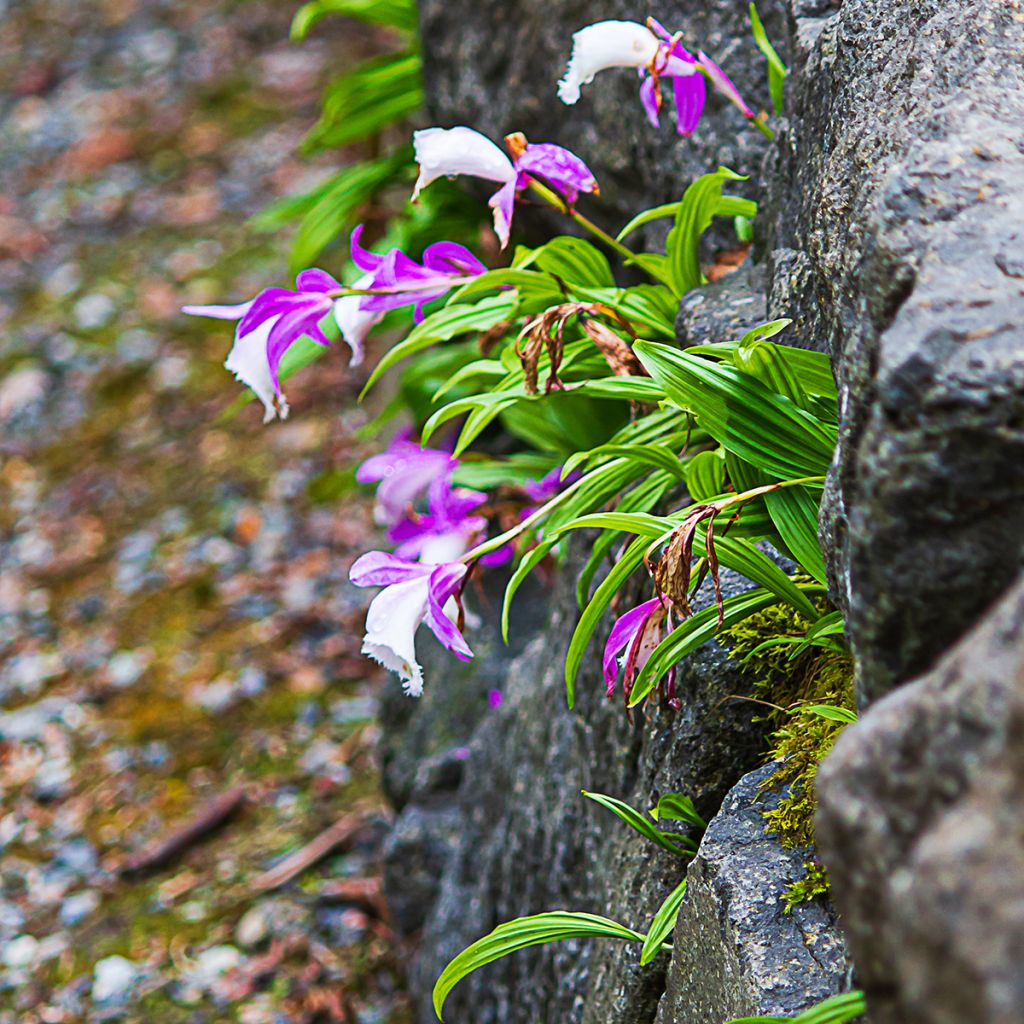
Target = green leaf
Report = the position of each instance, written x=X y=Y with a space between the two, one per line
x=366 y=99
x=701 y=202
x=575 y=260
x=749 y=561
x=730 y=206
x=813 y=368
x=529 y=562
x=663 y=923
x=400 y=14
x=836 y=1010
x=705 y=475
x=647 y=305
x=745 y=417
x=794 y=511
x=650 y=454
x=519 y=934
x=677 y=807
x=776 y=69
x=630 y=560
x=336 y=210
x=831 y=712
x=698 y=630
x=443 y=325
x=680 y=845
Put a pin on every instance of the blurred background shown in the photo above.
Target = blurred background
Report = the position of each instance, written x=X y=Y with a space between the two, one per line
x=189 y=812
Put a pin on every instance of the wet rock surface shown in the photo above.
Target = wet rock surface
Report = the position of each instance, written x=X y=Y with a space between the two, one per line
x=919 y=823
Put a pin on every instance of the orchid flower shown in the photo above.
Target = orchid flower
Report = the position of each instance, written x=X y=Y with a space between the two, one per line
x=656 y=54
x=447 y=152
x=633 y=638
x=618 y=44
x=414 y=592
x=444 y=265
x=272 y=322
x=447 y=530
x=405 y=472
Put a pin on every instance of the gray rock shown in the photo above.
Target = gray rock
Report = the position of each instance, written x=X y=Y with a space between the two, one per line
x=919 y=823
x=723 y=311
x=736 y=952
x=899 y=209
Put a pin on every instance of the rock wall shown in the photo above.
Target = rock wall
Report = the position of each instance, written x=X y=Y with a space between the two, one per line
x=892 y=229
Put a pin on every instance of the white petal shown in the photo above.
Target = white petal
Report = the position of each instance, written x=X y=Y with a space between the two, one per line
x=444 y=152
x=391 y=623
x=247 y=360
x=606 y=44
x=355 y=323
x=445 y=547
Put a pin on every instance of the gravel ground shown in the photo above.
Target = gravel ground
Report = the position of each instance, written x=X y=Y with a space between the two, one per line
x=182 y=702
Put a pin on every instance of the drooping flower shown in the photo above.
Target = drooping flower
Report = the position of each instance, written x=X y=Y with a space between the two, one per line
x=272 y=322
x=405 y=471
x=414 y=593
x=448 y=152
x=444 y=265
x=657 y=55
x=632 y=640
x=618 y=44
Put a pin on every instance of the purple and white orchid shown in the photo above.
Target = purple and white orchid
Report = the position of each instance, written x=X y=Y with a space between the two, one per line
x=405 y=472
x=656 y=54
x=448 y=152
x=414 y=592
x=632 y=640
x=445 y=265
x=272 y=322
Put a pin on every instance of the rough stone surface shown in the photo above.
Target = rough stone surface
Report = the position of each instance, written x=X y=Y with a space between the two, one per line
x=495 y=65
x=736 y=951
x=920 y=824
x=723 y=311
x=899 y=224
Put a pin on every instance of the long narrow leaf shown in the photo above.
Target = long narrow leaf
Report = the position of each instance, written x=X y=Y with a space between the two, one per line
x=521 y=933
x=644 y=826
x=663 y=923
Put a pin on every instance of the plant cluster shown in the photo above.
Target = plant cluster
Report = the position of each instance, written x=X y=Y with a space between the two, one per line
x=546 y=397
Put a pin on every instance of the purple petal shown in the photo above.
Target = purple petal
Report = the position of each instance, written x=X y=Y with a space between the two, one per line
x=622 y=635
x=314 y=280
x=562 y=169
x=270 y=302
x=445 y=580
x=363 y=258
x=649 y=99
x=282 y=336
x=690 y=94
x=380 y=569
x=452 y=258
x=502 y=203
x=723 y=83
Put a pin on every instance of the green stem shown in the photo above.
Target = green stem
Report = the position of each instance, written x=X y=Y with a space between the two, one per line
x=552 y=197
x=762 y=128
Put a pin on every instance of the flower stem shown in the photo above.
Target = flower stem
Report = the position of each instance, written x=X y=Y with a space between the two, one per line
x=552 y=197
x=401 y=289
x=762 y=128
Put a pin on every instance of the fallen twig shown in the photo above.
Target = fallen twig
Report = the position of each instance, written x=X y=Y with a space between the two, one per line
x=341 y=833
x=162 y=851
